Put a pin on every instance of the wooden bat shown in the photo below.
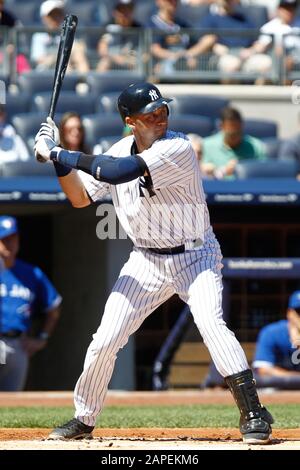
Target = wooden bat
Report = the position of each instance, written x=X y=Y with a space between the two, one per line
x=63 y=55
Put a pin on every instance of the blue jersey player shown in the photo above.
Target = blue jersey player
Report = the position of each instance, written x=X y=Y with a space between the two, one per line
x=24 y=290
x=277 y=357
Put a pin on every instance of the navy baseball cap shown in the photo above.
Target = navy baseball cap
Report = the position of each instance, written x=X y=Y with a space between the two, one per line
x=294 y=300
x=8 y=226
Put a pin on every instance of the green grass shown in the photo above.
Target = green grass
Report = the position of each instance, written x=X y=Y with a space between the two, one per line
x=287 y=416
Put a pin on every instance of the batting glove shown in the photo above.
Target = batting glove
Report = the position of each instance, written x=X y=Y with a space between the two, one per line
x=46 y=140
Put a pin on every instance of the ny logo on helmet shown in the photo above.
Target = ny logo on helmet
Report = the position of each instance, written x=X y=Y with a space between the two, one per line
x=154 y=95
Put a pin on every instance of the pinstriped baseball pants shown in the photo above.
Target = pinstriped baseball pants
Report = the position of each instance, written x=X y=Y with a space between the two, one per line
x=145 y=282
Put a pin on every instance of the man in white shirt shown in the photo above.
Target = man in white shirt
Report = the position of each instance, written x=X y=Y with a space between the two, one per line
x=258 y=55
x=12 y=147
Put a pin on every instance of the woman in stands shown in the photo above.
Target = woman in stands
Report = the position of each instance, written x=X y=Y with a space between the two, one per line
x=72 y=135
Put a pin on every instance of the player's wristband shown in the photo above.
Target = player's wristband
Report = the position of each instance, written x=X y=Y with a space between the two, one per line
x=61 y=170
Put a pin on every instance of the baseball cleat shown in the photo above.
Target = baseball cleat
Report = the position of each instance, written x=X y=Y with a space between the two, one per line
x=257 y=430
x=73 y=429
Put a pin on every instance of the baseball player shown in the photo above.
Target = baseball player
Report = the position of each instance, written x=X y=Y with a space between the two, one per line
x=155 y=184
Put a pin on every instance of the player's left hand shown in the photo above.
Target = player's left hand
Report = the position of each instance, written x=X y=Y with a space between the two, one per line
x=46 y=140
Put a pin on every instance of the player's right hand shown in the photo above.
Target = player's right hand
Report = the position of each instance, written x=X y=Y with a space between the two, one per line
x=46 y=140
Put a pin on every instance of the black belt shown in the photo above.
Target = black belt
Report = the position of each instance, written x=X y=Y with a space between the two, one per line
x=175 y=250
x=11 y=334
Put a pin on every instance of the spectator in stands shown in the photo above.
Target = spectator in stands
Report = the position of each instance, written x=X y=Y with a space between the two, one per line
x=273 y=32
x=277 y=357
x=12 y=147
x=290 y=149
x=71 y=132
x=197 y=144
x=6 y=17
x=44 y=45
x=173 y=48
x=9 y=20
x=228 y=49
x=25 y=291
x=223 y=150
x=118 y=48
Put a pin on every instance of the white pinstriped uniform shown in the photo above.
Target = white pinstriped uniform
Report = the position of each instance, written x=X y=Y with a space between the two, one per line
x=148 y=279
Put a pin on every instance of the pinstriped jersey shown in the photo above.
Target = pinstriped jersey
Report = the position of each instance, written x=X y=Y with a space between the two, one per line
x=167 y=209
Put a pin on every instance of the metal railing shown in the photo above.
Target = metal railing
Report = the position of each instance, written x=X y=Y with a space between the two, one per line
x=136 y=55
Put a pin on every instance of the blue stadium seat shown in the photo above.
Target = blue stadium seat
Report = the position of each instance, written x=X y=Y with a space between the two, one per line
x=107 y=142
x=36 y=82
x=86 y=11
x=267 y=169
x=27 y=168
x=111 y=81
x=28 y=13
x=108 y=102
x=192 y=15
x=68 y=101
x=260 y=128
x=188 y=123
x=17 y=103
x=272 y=146
x=28 y=124
x=210 y=106
x=99 y=125
x=257 y=14
x=143 y=11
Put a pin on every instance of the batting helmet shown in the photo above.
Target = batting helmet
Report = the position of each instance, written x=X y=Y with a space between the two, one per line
x=140 y=98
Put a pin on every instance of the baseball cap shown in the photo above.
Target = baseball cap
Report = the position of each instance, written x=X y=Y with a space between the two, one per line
x=50 y=5
x=8 y=226
x=294 y=300
x=288 y=3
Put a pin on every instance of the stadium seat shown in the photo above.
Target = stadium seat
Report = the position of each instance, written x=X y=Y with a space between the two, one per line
x=210 y=106
x=108 y=102
x=86 y=11
x=257 y=14
x=192 y=15
x=111 y=81
x=267 y=169
x=272 y=146
x=143 y=11
x=16 y=104
x=26 y=12
x=28 y=124
x=99 y=125
x=36 y=82
x=107 y=142
x=68 y=101
x=260 y=128
x=188 y=123
x=27 y=168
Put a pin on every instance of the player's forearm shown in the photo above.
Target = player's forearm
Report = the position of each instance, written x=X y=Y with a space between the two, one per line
x=102 y=167
x=75 y=191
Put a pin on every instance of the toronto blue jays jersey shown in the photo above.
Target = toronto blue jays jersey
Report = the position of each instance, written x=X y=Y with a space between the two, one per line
x=24 y=289
x=274 y=347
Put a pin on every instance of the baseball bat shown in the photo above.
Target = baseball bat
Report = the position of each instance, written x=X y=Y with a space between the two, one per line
x=66 y=40
x=63 y=55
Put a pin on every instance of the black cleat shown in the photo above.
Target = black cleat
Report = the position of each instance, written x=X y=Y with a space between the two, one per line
x=257 y=430
x=73 y=429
